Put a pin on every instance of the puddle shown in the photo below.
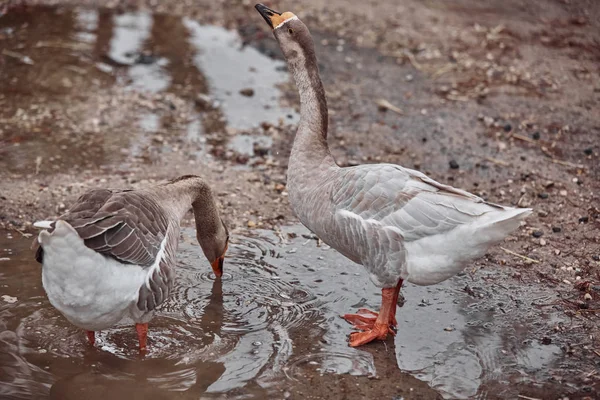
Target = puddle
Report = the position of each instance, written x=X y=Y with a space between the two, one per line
x=75 y=56
x=251 y=145
x=271 y=323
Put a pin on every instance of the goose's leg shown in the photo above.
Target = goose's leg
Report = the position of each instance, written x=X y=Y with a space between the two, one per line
x=91 y=335
x=142 y=331
x=365 y=319
x=381 y=327
x=393 y=321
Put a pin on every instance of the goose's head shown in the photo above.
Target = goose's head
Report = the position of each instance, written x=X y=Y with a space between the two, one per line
x=214 y=246
x=293 y=36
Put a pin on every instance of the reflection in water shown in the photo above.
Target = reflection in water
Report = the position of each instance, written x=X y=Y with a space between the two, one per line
x=151 y=377
x=80 y=52
x=231 y=68
x=272 y=323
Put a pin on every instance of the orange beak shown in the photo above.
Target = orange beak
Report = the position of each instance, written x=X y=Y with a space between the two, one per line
x=217 y=266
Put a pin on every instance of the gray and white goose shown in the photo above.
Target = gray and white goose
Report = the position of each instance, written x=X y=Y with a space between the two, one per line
x=112 y=255
x=397 y=222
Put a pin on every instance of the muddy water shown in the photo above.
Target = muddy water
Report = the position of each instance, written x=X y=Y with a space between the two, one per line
x=268 y=327
x=52 y=56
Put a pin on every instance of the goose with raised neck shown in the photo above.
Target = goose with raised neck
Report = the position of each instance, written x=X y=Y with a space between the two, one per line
x=112 y=255
x=398 y=223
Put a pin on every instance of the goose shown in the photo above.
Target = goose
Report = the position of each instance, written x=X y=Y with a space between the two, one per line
x=112 y=255
x=398 y=223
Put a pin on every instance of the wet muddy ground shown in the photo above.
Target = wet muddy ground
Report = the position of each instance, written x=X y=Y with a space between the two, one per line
x=501 y=100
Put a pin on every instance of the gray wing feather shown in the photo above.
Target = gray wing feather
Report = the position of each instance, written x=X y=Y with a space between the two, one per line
x=407 y=200
x=121 y=224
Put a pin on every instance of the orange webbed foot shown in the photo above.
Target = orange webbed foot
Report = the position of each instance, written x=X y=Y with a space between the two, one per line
x=365 y=317
x=379 y=332
x=362 y=320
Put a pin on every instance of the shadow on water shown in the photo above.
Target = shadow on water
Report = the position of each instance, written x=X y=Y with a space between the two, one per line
x=54 y=56
x=272 y=326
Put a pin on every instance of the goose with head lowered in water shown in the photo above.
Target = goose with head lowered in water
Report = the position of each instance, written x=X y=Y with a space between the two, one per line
x=398 y=223
x=112 y=255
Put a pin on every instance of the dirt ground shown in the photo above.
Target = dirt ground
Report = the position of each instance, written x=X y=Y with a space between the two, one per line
x=500 y=98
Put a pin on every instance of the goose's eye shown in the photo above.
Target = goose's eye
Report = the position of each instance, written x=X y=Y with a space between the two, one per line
x=290 y=31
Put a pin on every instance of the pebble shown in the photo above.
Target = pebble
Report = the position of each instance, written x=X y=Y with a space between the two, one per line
x=536 y=136
x=546 y=340
x=507 y=127
x=251 y=224
x=596 y=257
x=588 y=151
x=542 y=242
x=9 y=299
x=563 y=192
x=587 y=296
x=583 y=220
x=556 y=229
x=543 y=195
x=248 y=92
x=453 y=164
x=448 y=329
x=537 y=234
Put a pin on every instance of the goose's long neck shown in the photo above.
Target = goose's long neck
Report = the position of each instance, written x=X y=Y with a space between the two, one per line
x=311 y=138
x=183 y=193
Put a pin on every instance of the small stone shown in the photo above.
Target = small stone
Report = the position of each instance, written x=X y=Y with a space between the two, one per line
x=587 y=297
x=563 y=193
x=542 y=213
x=546 y=340
x=9 y=299
x=542 y=242
x=583 y=305
x=507 y=127
x=42 y=351
x=537 y=234
x=536 y=135
x=588 y=151
x=543 y=195
x=449 y=329
x=556 y=229
x=453 y=164
x=596 y=257
x=584 y=219
x=251 y=224
x=248 y=92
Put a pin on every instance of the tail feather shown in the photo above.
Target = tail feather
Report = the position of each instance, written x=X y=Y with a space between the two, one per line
x=43 y=224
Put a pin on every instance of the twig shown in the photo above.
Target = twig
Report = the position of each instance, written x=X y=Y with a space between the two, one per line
x=413 y=61
x=523 y=138
x=520 y=256
x=24 y=234
x=496 y=161
x=527 y=397
x=383 y=103
x=38 y=164
x=567 y=164
x=24 y=59
x=446 y=68
x=597 y=352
